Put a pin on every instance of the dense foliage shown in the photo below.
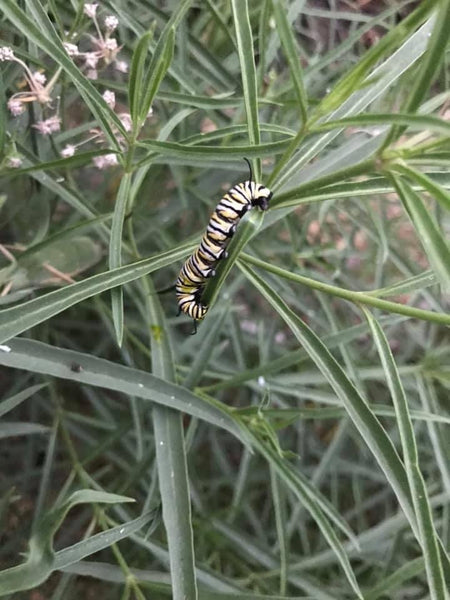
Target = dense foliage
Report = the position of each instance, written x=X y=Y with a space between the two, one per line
x=297 y=446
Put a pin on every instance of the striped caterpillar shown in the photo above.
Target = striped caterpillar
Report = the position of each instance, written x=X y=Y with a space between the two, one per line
x=221 y=227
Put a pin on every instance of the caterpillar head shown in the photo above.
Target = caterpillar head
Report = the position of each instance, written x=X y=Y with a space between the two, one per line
x=261 y=197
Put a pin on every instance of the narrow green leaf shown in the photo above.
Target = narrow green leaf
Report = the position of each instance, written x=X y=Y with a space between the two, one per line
x=365 y=421
x=173 y=122
x=88 y=497
x=78 y=160
x=161 y=61
x=216 y=153
x=286 y=415
x=381 y=78
x=100 y=541
x=157 y=71
x=220 y=101
x=427 y=534
x=175 y=496
x=363 y=418
x=40 y=562
x=19 y=318
x=10 y=403
x=290 y=478
x=136 y=78
x=430 y=65
x=37 y=357
x=246 y=56
x=356 y=297
x=292 y=54
x=433 y=242
x=411 y=284
x=42 y=20
x=363 y=168
x=263 y=38
x=171 y=459
x=355 y=77
x=12 y=429
x=115 y=252
x=411 y=121
x=224 y=133
x=279 y=505
x=440 y=194
x=389 y=584
x=203 y=354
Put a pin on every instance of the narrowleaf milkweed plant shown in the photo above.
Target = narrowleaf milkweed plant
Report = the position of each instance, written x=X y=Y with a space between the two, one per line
x=296 y=446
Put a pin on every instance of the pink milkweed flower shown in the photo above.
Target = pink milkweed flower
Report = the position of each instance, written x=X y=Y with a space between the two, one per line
x=110 y=98
x=121 y=66
x=71 y=49
x=126 y=121
x=111 y=22
x=68 y=151
x=48 y=126
x=6 y=53
x=14 y=162
x=105 y=161
x=16 y=107
x=90 y=9
x=39 y=77
x=38 y=91
x=91 y=59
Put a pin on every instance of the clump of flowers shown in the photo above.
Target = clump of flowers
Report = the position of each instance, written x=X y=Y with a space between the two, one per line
x=103 y=52
x=38 y=90
x=48 y=126
x=105 y=161
x=104 y=45
x=14 y=162
x=100 y=52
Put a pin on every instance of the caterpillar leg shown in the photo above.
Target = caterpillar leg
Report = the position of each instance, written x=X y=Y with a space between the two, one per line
x=195 y=327
x=231 y=231
x=179 y=311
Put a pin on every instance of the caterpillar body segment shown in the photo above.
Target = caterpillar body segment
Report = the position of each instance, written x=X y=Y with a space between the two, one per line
x=221 y=227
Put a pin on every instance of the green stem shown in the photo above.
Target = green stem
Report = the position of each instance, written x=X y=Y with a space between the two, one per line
x=295 y=142
x=356 y=297
x=362 y=168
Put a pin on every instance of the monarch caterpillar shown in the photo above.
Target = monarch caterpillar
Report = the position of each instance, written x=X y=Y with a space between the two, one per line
x=221 y=228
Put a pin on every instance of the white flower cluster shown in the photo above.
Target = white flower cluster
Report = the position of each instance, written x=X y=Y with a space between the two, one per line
x=90 y=9
x=106 y=47
x=6 y=53
x=48 y=126
x=103 y=52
